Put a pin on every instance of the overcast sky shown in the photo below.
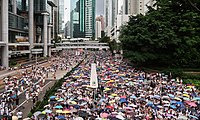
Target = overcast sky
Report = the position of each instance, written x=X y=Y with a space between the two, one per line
x=99 y=9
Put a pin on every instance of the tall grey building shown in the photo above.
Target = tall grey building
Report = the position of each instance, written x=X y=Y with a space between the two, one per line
x=26 y=25
x=67 y=29
x=61 y=16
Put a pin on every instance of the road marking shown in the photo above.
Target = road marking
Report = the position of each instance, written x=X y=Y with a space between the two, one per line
x=26 y=100
x=18 y=106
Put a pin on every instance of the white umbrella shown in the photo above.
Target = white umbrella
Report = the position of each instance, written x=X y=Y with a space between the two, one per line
x=79 y=118
x=182 y=118
x=37 y=113
x=120 y=117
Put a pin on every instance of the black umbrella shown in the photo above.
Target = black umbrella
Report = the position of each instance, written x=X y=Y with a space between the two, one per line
x=41 y=116
x=83 y=114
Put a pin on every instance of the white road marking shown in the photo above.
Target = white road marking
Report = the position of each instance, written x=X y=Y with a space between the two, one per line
x=26 y=100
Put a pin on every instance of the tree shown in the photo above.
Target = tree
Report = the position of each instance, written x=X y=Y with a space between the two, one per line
x=166 y=36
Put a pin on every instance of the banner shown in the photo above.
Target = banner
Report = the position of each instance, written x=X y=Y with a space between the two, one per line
x=93 y=76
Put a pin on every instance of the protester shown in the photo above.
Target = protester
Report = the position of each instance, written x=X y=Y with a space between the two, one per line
x=123 y=93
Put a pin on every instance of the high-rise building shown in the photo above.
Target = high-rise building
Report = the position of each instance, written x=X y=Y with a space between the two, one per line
x=82 y=19
x=98 y=30
x=90 y=18
x=67 y=29
x=117 y=13
x=61 y=17
x=101 y=18
x=26 y=25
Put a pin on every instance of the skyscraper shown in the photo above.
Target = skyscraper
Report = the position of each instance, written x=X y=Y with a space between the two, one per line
x=61 y=17
x=117 y=13
x=82 y=19
x=90 y=18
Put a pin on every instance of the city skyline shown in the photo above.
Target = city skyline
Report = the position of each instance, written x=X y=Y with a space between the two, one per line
x=99 y=9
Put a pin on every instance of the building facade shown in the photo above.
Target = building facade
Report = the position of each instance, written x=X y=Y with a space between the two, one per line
x=67 y=29
x=98 y=30
x=82 y=19
x=117 y=13
x=25 y=25
x=61 y=17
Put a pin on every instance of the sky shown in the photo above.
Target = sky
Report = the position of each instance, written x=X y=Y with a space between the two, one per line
x=99 y=9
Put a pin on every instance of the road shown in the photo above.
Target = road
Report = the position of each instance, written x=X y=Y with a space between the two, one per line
x=22 y=99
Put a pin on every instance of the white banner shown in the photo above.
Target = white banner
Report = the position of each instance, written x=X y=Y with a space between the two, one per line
x=93 y=76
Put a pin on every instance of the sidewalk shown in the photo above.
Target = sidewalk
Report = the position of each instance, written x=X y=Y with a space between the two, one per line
x=26 y=107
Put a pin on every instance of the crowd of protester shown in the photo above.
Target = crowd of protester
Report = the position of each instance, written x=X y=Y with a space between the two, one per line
x=30 y=82
x=123 y=93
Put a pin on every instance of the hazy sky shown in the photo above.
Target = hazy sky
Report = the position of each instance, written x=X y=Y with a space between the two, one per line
x=99 y=8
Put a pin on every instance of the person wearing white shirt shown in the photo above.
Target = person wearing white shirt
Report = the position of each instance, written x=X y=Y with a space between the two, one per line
x=19 y=115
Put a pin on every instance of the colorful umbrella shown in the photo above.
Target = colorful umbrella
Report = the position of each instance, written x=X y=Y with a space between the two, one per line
x=58 y=111
x=66 y=111
x=192 y=104
x=104 y=115
x=58 y=107
x=110 y=107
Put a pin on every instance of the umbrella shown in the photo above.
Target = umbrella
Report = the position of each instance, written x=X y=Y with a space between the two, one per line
x=194 y=117
x=110 y=107
x=48 y=111
x=82 y=113
x=79 y=118
x=173 y=107
x=61 y=117
x=77 y=106
x=58 y=111
x=165 y=97
x=176 y=98
x=47 y=106
x=120 y=117
x=185 y=98
x=114 y=95
x=73 y=102
x=132 y=105
x=122 y=100
x=171 y=96
x=37 y=113
x=133 y=97
x=123 y=97
x=53 y=97
x=66 y=111
x=41 y=115
x=186 y=95
x=192 y=104
x=156 y=96
x=182 y=117
x=60 y=100
x=73 y=110
x=104 y=115
x=196 y=99
x=58 y=107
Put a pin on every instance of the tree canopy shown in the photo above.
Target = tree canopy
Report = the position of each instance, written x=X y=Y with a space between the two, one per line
x=166 y=36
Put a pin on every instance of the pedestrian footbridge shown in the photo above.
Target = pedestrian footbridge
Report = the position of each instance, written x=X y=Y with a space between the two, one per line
x=81 y=45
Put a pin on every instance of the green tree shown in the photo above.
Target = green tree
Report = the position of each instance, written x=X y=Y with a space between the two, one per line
x=166 y=36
